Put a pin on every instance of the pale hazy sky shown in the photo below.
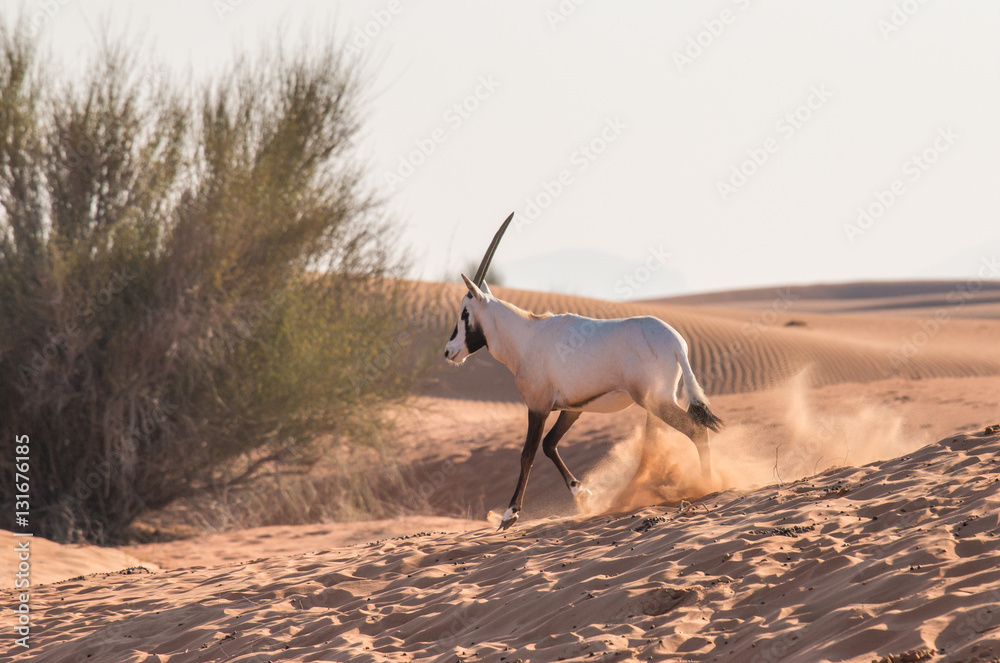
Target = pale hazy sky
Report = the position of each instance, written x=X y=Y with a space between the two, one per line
x=618 y=130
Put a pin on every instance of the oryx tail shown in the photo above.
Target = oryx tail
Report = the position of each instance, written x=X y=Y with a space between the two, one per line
x=691 y=397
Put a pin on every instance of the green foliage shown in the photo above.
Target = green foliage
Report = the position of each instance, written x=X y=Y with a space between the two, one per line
x=193 y=286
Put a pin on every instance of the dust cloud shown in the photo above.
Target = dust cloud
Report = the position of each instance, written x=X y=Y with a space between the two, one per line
x=662 y=467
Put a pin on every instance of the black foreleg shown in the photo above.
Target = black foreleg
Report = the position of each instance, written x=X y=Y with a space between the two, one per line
x=536 y=424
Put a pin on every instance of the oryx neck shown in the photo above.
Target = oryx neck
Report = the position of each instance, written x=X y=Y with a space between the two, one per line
x=507 y=331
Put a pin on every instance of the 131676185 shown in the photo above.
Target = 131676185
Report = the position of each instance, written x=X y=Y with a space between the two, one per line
x=22 y=485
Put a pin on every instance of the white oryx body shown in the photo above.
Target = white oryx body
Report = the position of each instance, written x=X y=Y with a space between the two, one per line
x=575 y=364
x=570 y=362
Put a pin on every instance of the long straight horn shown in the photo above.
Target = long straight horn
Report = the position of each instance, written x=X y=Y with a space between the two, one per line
x=488 y=256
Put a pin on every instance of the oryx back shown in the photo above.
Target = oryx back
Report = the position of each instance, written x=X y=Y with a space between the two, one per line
x=602 y=365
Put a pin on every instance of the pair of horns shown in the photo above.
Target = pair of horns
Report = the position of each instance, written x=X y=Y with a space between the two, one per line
x=488 y=257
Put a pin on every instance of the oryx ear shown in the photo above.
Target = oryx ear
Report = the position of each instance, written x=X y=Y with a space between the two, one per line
x=474 y=290
x=486 y=289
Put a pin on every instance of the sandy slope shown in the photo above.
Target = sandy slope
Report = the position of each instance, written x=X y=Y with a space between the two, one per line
x=901 y=556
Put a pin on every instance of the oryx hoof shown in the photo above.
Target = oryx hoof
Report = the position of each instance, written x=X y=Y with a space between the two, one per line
x=579 y=492
x=509 y=518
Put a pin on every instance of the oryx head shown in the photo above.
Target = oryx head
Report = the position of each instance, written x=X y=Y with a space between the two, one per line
x=468 y=336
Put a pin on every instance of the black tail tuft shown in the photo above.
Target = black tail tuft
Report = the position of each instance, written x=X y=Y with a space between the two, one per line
x=702 y=416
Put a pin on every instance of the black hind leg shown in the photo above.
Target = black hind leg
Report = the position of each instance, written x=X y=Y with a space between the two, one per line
x=697 y=432
x=563 y=423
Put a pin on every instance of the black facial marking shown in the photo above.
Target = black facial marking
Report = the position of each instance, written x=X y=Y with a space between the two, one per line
x=474 y=338
x=454 y=333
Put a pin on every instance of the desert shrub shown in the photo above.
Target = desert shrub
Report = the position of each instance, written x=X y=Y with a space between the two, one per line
x=196 y=287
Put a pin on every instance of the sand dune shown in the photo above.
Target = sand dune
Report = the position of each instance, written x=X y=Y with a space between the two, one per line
x=898 y=558
x=973 y=298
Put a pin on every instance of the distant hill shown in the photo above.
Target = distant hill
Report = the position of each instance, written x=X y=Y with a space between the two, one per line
x=964 y=299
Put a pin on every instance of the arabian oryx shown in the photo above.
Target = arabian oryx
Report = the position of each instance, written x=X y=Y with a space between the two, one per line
x=619 y=362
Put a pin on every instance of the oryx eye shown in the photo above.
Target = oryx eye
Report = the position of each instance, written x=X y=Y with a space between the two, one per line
x=465 y=314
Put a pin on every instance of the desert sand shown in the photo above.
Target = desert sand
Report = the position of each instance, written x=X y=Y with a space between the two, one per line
x=852 y=514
